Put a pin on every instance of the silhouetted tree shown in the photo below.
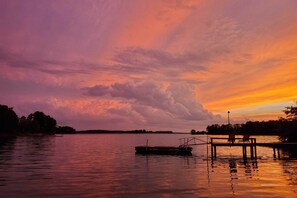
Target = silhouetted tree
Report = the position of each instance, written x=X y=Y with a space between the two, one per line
x=213 y=129
x=65 y=130
x=36 y=122
x=289 y=131
x=291 y=112
x=220 y=129
x=24 y=124
x=41 y=123
x=8 y=119
x=271 y=127
x=289 y=125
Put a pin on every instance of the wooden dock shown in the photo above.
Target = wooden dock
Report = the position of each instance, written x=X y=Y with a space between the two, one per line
x=251 y=143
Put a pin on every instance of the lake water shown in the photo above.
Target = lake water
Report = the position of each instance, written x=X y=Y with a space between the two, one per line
x=106 y=166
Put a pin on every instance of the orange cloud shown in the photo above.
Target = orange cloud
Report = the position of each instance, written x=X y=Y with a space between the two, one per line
x=266 y=77
x=147 y=23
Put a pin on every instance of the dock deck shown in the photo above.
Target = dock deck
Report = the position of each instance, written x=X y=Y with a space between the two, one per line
x=251 y=143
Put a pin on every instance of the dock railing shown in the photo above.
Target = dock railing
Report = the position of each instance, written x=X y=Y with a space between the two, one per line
x=239 y=140
x=191 y=141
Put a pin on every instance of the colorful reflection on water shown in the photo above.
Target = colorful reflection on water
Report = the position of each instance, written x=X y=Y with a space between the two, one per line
x=106 y=166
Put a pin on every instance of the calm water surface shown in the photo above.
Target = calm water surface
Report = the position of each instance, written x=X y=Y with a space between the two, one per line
x=106 y=166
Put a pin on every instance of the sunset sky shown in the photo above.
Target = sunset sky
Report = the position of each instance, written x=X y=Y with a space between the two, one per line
x=147 y=64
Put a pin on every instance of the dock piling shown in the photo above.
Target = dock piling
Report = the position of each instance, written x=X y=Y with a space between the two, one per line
x=211 y=150
x=255 y=146
x=274 y=155
x=244 y=152
x=252 y=151
x=251 y=144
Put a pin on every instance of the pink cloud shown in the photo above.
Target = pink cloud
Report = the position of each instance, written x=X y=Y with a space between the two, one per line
x=178 y=100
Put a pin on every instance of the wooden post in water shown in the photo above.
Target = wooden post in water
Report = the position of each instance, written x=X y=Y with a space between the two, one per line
x=252 y=151
x=206 y=146
x=211 y=141
x=244 y=152
x=255 y=143
x=274 y=155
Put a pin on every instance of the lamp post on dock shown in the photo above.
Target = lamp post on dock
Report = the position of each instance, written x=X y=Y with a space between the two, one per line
x=230 y=129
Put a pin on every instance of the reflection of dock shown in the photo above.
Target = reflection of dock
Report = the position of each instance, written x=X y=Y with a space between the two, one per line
x=251 y=143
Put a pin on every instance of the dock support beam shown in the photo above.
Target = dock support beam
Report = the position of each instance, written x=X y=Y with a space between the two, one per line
x=253 y=149
x=274 y=153
x=213 y=149
x=244 y=152
x=211 y=145
x=255 y=144
x=252 y=152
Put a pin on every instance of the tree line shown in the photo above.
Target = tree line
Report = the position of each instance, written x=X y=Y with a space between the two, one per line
x=37 y=122
x=285 y=128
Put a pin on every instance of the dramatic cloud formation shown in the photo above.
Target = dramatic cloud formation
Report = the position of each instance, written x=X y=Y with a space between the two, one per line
x=159 y=65
x=177 y=100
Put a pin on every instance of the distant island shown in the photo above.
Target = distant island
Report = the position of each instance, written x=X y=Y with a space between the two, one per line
x=122 y=131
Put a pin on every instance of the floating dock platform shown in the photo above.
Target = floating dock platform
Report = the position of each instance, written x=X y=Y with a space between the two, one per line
x=164 y=150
